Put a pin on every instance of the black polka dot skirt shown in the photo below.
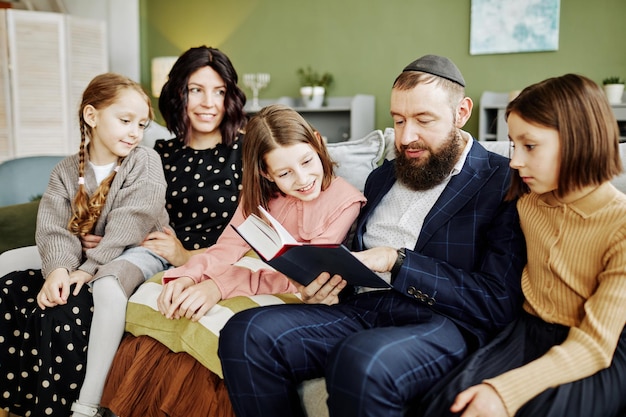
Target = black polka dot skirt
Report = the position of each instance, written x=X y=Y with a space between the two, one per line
x=42 y=352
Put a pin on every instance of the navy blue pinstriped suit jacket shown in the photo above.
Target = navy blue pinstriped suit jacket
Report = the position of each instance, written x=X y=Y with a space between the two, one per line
x=470 y=253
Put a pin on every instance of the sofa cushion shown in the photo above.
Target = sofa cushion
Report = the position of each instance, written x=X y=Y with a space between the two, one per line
x=199 y=338
x=357 y=158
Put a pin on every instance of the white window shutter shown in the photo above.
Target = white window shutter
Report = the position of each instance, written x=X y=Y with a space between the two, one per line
x=87 y=46
x=6 y=139
x=47 y=60
x=39 y=88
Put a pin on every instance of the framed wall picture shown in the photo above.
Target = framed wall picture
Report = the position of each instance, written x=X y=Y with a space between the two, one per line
x=511 y=26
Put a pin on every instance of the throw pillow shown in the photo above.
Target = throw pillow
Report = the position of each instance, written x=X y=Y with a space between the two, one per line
x=200 y=338
x=357 y=158
x=390 y=143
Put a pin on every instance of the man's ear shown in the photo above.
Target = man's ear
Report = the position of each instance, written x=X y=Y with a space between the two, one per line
x=89 y=114
x=463 y=112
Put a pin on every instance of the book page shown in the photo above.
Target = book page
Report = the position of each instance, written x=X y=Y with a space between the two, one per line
x=260 y=236
x=284 y=235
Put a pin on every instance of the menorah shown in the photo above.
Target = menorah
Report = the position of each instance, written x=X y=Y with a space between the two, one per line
x=256 y=82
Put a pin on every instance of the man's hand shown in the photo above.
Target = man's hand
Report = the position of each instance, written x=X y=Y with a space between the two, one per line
x=167 y=245
x=380 y=259
x=479 y=401
x=322 y=290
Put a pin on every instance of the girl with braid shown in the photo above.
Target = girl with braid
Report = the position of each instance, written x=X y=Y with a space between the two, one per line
x=56 y=330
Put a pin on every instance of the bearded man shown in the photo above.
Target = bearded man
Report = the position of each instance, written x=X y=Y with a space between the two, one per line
x=436 y=226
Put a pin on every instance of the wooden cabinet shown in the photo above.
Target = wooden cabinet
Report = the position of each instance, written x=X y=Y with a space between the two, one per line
x=492 y=126
x=340 y=119
x=46 y=61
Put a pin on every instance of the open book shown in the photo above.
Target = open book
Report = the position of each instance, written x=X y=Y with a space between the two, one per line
x=303 y=262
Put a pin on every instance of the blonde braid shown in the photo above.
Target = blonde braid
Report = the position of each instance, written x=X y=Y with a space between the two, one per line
x=97 y=200
x=78 y=223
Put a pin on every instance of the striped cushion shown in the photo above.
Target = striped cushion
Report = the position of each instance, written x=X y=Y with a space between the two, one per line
x=199 y=339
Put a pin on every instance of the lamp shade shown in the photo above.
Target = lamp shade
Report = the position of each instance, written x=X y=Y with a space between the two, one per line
x=161 y=67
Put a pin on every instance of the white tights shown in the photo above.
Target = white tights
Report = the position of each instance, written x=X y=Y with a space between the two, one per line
x=107 y=329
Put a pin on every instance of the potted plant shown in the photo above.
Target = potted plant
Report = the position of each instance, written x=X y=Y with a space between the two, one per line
x=313 y=86
x=614 y=89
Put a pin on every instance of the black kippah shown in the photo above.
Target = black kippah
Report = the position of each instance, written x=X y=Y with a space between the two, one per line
x=437 y=65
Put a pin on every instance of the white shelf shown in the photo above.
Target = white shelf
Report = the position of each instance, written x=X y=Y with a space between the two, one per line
x=492 y=126
x=338 y=120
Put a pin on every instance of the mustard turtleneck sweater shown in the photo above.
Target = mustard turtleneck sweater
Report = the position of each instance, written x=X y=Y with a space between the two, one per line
x=575 y=276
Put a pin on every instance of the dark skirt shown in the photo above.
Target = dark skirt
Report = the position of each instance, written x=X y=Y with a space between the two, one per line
x=601 y=394
x=42 y=352
x=148 y=379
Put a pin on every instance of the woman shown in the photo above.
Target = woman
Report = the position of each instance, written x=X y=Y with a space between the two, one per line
x=203 y=106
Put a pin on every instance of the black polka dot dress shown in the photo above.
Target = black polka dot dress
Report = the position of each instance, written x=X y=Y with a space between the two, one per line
x=42 y=352
x=202 y=195
x=203 y=189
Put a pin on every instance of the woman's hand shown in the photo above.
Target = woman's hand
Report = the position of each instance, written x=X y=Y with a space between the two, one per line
x=55 y=289
x=322 y=290
x=164 y=244
x=167 y=245
x=479 y=401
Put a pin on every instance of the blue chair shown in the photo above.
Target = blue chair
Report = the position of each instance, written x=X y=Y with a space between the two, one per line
x=23 y=179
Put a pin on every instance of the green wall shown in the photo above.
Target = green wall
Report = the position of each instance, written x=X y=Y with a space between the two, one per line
x=365 y=44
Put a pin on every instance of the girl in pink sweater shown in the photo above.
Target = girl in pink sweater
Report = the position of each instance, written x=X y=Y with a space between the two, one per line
x=288 y=171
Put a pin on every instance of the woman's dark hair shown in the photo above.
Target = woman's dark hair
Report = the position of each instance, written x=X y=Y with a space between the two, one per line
x=174 y=95
x=578 y=109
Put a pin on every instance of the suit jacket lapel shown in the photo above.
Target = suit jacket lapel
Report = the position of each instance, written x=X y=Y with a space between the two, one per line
x=461 y=188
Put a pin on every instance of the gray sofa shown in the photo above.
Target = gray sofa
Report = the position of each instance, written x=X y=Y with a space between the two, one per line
x=355 y=158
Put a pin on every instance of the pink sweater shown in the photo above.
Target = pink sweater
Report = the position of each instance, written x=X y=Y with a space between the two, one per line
x=327 y=219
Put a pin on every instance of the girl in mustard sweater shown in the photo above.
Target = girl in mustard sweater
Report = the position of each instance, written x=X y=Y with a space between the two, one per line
x=566 y=354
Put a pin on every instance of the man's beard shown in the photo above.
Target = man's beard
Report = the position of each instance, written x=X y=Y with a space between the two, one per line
x=420 y=174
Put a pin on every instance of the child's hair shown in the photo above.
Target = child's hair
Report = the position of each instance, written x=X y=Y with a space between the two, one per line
x=174 y=95
x=578 y=109
x=101 y=92
x=272 y=127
